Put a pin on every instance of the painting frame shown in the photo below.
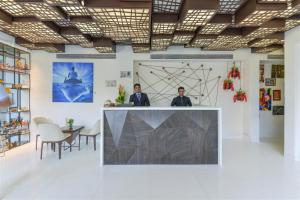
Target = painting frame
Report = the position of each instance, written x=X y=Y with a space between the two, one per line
x=278 y=110
x=72 y=82
x=276 y=95
x=277 y=71
x=270 y=81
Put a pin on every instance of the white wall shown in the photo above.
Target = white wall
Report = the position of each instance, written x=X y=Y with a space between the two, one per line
x=292 y=94
x=41 y=98
x=272 y=126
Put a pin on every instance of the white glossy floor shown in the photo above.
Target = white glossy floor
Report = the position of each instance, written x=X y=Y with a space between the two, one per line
x=250 y=171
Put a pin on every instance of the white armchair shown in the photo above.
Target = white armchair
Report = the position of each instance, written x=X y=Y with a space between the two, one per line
x=51 y=133
x=37 y=121
x=90 y=133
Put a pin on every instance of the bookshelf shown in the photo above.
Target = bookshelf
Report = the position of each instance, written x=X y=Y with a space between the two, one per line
x=15 y=78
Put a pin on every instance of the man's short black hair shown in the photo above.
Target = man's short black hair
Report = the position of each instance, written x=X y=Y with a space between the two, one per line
x=180 y=88
x=137 y=84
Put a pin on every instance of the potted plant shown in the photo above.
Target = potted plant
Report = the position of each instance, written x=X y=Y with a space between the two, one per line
x=228 y=85
x=121 y=98
x=70 y=123
x=234 y=73
x=240 y=96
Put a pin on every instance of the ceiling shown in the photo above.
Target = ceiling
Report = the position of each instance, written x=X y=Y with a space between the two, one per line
x=149 y=25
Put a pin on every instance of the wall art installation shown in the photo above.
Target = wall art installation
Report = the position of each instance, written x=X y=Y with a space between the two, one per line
x=265 y=99
x=270 y=82
x=160 y=81
x=72 y=82
x=278 y=110
x=276 y=95
x=277 y=71
x=233 y=80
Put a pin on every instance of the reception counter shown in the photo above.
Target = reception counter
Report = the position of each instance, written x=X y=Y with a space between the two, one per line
x=163 y=135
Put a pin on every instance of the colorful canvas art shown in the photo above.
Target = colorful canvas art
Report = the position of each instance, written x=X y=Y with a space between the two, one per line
x=73 y=82
x=265 y=99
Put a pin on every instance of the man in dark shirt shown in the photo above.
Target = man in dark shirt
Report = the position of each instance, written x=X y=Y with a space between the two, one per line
x=181 y=100
x=139 y=98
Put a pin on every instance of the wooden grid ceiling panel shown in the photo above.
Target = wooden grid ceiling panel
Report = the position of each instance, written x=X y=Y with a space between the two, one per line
x=13 y=8
x=63 y=2
x=141 y=48
x=267 y=49
x=182 y=37
x=149 y=24
x=230 y=6
x=292 y=22
x=36 y=32
x=166 y=6
x=42 y=10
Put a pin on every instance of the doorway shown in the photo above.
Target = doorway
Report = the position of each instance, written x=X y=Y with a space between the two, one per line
x=271 y=103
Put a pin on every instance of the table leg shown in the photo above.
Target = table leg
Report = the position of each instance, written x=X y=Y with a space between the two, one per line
x=42 y=144
x=95 y=143
x=79 y=143
x=59 y=150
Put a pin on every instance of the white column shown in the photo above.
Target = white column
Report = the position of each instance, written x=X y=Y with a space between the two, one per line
x=292 y=94
x=251 y=86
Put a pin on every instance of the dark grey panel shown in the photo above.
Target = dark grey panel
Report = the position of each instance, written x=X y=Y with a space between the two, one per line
x=177 y=137
x=191 y=56
x=86 y=56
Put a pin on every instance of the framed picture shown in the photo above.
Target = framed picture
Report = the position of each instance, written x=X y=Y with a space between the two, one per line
x=270 y=81
x=278 y=110
x=125 y=74
x=111 y=83
x=73 y=82
x=277 y=71
x=262 y=73
x=265 y=99
x=276 y=95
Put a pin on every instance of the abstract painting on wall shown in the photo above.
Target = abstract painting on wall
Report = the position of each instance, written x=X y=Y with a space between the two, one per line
x=265 y=99
x=278 y=110
x=277 y=71
x=73 y=82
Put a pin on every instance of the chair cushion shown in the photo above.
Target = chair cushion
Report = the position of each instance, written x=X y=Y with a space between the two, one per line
x=87 y=133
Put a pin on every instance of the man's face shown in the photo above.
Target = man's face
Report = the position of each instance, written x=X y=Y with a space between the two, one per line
x=137 y=89
x=181 y=92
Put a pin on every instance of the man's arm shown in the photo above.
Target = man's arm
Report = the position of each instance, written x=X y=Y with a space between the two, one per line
x=147 y=102
x=131 y=98
x=173 y=102
x=189 y=102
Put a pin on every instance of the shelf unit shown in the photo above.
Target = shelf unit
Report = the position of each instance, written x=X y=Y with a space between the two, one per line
x=15 y=78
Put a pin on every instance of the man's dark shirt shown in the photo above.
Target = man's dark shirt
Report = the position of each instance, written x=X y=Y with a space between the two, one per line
x=181 y=101
x=143 y=101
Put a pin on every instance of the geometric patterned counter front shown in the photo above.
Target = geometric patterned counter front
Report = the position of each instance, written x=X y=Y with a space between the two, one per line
x=140 y=137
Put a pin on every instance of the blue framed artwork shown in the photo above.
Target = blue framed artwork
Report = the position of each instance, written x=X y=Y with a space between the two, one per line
x=73 y=82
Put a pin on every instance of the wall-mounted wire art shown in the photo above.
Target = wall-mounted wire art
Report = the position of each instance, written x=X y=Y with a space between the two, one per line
x=161 y=82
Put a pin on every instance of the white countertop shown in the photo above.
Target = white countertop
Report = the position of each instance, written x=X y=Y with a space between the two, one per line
x=162 y=108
